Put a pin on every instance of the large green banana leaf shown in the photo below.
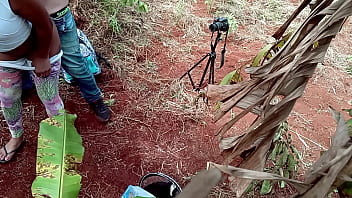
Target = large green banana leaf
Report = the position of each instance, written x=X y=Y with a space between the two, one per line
x=59 y=151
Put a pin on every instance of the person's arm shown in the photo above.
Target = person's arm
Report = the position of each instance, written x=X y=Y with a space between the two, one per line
x=35 y=13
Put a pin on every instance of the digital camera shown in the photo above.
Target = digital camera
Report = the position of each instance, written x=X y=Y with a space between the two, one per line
x=219 y=24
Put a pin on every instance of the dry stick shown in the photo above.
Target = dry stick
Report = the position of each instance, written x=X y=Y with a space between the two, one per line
x=300 y=138
x=135 y=120
x=309 y=122
x=299 y=135
x=278 y=34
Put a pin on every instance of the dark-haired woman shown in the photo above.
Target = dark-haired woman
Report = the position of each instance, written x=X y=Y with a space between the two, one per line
x=28 y=41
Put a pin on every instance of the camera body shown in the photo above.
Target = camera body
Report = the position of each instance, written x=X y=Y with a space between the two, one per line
x=219 y=24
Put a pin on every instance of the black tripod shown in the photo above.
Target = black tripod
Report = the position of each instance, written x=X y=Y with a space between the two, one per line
x=211 y=62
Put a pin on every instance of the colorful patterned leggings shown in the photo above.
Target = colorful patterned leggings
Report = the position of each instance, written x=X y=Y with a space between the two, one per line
x=11 y=91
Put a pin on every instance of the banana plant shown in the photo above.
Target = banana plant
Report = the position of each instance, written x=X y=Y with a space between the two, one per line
x=283 y=160
x=345 y=190
x=269 y=50
x=229 y=79
x=59 y=152
x=232 y=78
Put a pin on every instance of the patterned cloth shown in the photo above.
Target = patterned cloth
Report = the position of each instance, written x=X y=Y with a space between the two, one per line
x=11 y=91
x=89 y=56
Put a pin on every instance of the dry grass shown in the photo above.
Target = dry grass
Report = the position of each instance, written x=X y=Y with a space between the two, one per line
x=177 y=14
x=222 y=192
x=261 y=17
x=127 y=44
x=338 y=59
x=169 y=17
x=130 y=37
x=132 y=54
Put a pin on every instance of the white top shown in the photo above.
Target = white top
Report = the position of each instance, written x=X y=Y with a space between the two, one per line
x=14 y=30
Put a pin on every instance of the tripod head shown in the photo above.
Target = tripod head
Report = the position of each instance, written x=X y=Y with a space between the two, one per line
x=219 y=25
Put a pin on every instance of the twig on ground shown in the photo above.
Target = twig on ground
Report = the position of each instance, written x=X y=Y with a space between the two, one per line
x=304 y=153
x=294 y=113
x=141 y=122
x=300 y=138
x=317 y=144
x=142 y=170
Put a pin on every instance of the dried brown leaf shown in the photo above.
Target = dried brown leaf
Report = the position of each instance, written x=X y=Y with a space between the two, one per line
x=201 y=184
x=250 y=174
x=285 y=75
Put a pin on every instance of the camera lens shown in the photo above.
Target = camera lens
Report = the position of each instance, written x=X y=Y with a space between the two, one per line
x=214 y=27
x=220 y=25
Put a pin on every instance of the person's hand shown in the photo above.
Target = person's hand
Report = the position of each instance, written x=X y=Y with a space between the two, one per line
x=42 y=67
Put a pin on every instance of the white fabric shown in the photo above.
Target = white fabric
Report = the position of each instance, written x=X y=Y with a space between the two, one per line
x=24 y=64
x=14 y=30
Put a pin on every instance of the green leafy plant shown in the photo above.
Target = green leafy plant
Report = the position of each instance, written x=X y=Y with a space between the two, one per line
x=232 y=78
x=283 y=160
x=139 y=5
x=269 y=51
x=229 y=79
x=59 y=151
x=112 y=7
x=349 y=70
x=233 y=23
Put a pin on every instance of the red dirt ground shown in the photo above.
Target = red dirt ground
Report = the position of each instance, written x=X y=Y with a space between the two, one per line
x=139 y=140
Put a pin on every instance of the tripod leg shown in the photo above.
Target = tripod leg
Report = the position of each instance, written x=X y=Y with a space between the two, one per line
x=195 y=65
x=205 y=72
x=190 y=79
x=211 y=70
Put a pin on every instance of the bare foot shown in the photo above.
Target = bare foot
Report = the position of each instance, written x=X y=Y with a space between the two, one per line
x=12 y=145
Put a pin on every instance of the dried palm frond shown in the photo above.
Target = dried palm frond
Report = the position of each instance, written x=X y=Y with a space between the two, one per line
x=285 y=76
x=329 y=172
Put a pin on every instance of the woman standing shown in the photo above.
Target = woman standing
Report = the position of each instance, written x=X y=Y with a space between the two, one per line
x=27 y=38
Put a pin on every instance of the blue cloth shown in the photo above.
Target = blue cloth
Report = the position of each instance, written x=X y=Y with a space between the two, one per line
x=27 y=81
x=136 y=192
x=72 y=59
x=88 y=54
